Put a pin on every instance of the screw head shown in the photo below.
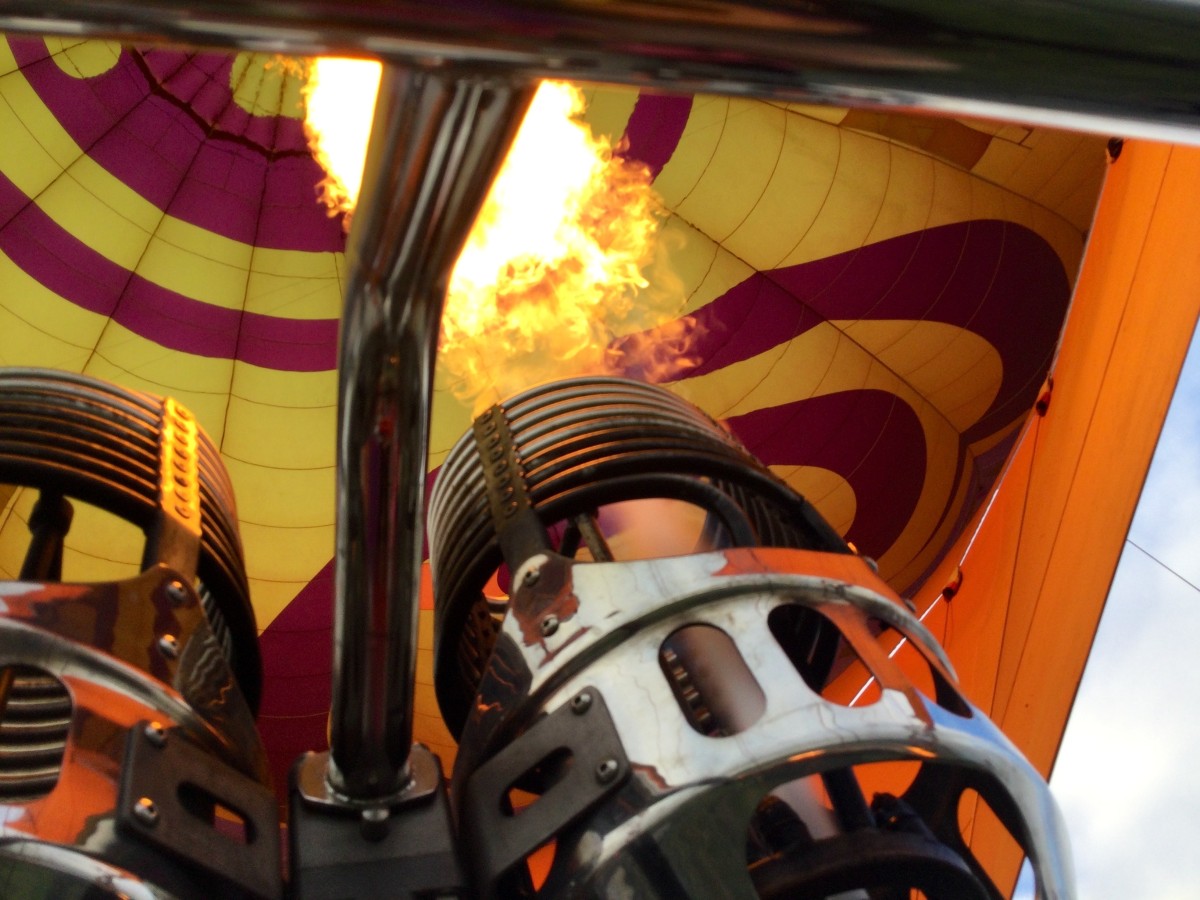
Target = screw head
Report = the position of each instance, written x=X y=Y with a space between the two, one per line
x=549 y=625
x=155 y=734
x=581 y=703
x=168 y=646
x=607 y=770
x=176 y=593
x=145 y=812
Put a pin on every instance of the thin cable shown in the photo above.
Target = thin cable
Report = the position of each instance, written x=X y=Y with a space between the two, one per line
x=899 y=644
x=1035 y=427
x=1016 y=559
x=1137 y=275
x=1137 y=546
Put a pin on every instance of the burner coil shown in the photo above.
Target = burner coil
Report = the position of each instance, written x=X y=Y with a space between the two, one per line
x=72 y=435
x=557 y=454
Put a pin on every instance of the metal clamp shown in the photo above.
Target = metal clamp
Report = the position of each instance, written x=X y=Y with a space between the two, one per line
x=170 y=794
x=582 y=730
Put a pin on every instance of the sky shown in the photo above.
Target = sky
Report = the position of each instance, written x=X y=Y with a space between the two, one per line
x=1128 y=774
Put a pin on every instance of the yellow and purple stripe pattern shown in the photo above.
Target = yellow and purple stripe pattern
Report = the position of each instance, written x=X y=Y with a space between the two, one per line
x=879 y=299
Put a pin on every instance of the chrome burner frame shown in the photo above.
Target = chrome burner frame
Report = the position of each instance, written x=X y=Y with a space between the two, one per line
x=457 y=75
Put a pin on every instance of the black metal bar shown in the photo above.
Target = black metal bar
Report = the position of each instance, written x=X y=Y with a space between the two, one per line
x=48 y=525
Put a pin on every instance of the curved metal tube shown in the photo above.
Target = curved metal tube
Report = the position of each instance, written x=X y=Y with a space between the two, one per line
x=1126 y=67
x=437 y=141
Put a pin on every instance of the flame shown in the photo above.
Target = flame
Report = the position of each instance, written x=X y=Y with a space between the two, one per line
x=339 y=99
x=546 y=284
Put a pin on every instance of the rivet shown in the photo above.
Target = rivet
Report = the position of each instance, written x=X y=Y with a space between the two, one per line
x=146 y=812
x=176 y=593
x=549 y=625
x=581 y=703
x=531 y=577
x=607 y=770
x=155 y=734
x=168 y=645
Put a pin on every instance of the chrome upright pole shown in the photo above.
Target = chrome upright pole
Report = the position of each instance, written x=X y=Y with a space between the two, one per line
x=438 y=139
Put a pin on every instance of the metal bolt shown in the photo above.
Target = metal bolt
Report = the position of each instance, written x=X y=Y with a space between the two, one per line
x=374 y=824
x=156 y=734
x=581 y=703
x=146 y=812
x=531 y=577
x=549 y=625
x=607 y=770
x=176 y=593
x=168 y=646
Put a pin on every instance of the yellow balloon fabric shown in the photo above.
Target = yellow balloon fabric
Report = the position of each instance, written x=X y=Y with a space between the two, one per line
x=876 y=300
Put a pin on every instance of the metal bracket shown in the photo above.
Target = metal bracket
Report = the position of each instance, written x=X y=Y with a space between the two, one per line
x=170 y=794
x=582 y=729
x=341 y=848
x=313 y=787
x=517 y=527
x=175 y=536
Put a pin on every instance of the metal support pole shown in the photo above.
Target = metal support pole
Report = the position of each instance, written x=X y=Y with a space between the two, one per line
x=438 y=139
x=1116 y=67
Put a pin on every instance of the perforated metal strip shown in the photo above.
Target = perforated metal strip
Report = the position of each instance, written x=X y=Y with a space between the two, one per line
x=176 y=538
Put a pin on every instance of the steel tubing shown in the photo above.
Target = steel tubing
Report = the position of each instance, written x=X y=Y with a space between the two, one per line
x=1127 y=67
x=437 y=141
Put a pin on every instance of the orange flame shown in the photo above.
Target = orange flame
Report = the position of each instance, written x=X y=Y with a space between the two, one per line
x=546 y=285
x=549 y=276
x=339 y=104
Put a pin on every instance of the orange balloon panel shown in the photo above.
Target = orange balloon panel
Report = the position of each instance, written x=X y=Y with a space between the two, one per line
x=876 y=300
x=1036 y=575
